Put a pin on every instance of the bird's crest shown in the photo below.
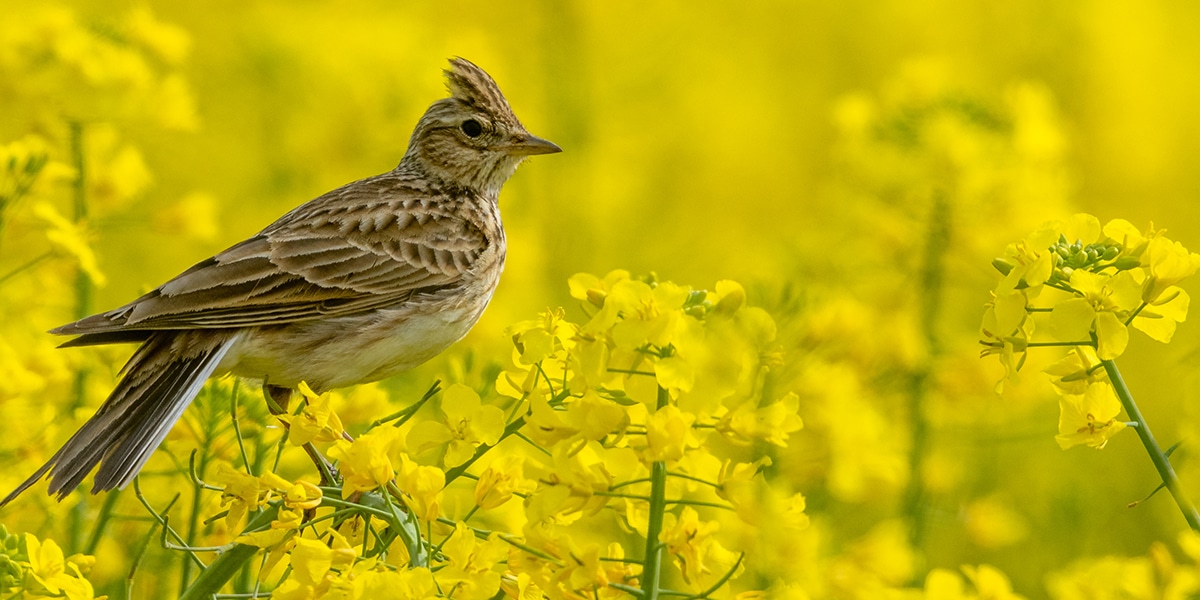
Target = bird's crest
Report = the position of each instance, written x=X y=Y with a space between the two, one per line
x=475 y=87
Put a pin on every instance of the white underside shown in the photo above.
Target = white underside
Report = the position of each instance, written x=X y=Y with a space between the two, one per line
x=334 y=353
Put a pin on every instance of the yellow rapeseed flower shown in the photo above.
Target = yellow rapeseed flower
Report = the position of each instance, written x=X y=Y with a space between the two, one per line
x=1089 y=419
x=317 y=422
x=71 y=239
x=365 y=463
x=500 y=480
x=668 y=434
x=990 y=583
x=470 y=571
x=1168 y=263
x=53 y=574
x=697 y=554
x=772 y=423
x=310 y=562
x=194 y=216
x=241 y=493
x=167 y=42
x=466 y=424
x=409 y=584
x=1160 y=318
x=423 y=485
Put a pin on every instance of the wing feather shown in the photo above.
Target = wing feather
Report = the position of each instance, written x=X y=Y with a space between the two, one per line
x=368 y=245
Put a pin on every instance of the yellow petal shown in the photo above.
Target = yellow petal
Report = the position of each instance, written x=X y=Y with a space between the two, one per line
x=459 y=403
x=581 y=283
x=426 y=435
x=1112 y=336
x=1071 y=320
x=1010 y=312
x=487 y=424
x=1158 y=328
x=1123 y=231
x=674 y=373
x=1082 y=227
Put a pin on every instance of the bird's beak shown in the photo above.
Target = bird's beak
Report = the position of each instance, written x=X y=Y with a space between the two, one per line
x=526 y=144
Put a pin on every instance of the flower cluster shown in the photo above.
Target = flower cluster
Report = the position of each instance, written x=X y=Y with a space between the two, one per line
x=1092 y=284
x=33 y=568
x=130 y=70
x=1157 y=574
x=603 y=429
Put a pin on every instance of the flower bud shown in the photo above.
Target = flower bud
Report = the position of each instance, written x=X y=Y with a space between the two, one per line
x=1127 y=262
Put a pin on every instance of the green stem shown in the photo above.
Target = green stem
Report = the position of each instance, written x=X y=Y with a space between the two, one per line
x=237 y=426
x=407 y=412
x=83 y=305
x=25 y=267
x=1161 y=462
x=229 y=562
x=194 y=516
x=106 y=511
x=83 y=284
x=1060 y=344
x=652 y=563
x=930 y=295
x=1137 y=311
x=138 y=553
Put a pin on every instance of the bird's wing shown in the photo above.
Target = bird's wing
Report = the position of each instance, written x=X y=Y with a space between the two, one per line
x=372 y=244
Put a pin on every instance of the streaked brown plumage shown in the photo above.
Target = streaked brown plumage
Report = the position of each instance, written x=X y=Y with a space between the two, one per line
x=359 y=284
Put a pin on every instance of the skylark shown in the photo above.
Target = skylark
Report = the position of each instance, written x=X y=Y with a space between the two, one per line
x=364 y=282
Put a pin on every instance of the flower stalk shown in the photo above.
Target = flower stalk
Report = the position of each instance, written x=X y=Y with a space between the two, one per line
x=1162 y=463
x=652 y=565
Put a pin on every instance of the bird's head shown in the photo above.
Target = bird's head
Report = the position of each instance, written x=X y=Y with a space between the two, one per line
x=472 y=139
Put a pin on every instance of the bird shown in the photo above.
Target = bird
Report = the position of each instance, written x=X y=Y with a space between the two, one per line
x=359 y=284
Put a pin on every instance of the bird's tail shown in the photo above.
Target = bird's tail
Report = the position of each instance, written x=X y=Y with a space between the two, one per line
x=158 y=383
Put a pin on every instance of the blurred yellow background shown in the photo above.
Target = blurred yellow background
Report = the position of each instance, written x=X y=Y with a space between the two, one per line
x=856 y=164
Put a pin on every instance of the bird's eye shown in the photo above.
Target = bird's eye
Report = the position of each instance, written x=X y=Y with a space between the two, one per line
x=472 y=128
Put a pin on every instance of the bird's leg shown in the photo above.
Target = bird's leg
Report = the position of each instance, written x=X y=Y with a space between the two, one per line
x=277 y=398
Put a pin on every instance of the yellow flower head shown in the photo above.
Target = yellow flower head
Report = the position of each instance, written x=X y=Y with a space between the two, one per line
x=771 y=423
x=471 y=569
x=365 y=463
x=466 y=424
x=54 y=575
x=1089 y=419
x=699 y=556
x=71 y=239
x=500 y=481
x=423 y=485
x=317 y=422
x=668 y=433
x=241 y=493
x=1169 y=263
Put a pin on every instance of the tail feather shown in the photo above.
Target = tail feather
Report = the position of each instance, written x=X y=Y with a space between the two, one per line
x=158 y=384
x=145 y=434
